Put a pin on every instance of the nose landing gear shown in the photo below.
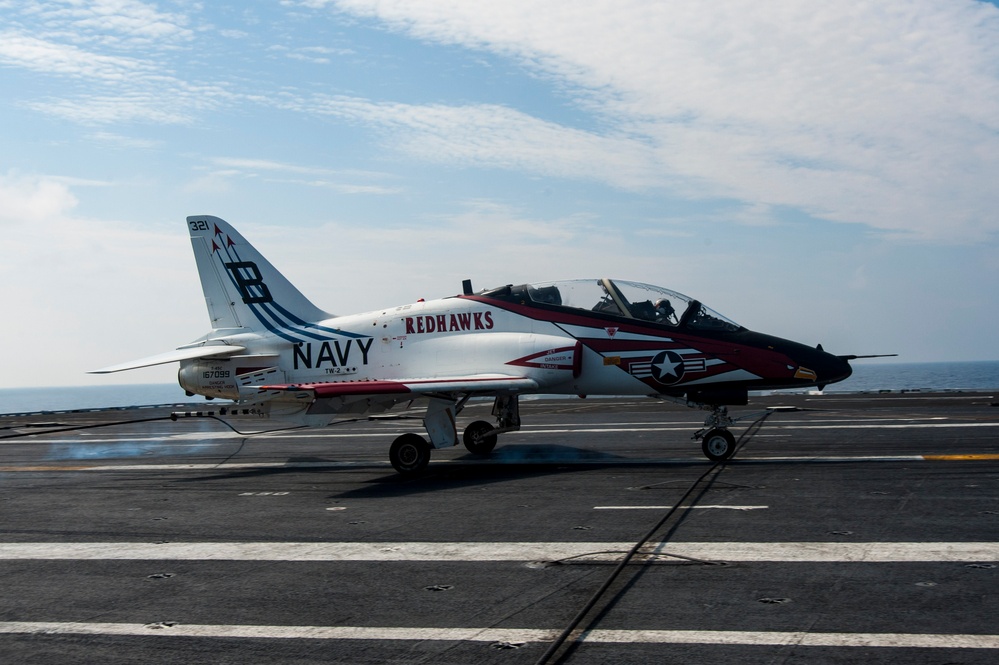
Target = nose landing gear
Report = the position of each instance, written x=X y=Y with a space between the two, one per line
x=717 y=442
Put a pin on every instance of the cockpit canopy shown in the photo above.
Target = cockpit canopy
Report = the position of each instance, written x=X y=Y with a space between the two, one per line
x=630 y=300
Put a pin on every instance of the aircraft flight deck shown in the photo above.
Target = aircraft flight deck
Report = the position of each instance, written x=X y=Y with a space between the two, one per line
x=845 y=528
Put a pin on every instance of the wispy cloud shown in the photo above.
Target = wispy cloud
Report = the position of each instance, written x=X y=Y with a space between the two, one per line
x=161 y=100
x=497 y=136
x=319 y=55
x=885 y=115
x=250 y=165
x=882 y=114
x=119 y=140
x=67 y=60
x=123 y=24
x=349 y=181
x=112 y=51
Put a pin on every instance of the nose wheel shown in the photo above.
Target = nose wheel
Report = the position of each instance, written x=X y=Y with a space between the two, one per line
x=718 y=444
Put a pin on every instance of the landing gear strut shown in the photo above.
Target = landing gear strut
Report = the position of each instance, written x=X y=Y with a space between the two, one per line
x=480 y=436
x=410 y=453
x=717 y=442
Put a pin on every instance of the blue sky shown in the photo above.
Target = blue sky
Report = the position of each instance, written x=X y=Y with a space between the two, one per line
x=825 y=172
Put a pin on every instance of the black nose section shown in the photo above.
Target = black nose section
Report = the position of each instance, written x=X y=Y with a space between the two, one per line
x=810 y=366
x=829 y=368
x=816 y=367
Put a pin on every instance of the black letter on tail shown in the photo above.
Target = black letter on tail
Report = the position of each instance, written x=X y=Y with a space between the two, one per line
x=244 y=282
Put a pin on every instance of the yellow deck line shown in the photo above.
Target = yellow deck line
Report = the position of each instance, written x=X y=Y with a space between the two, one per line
x=958 y=458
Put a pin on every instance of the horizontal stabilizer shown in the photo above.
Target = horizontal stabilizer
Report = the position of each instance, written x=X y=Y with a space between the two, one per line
x=479 y=383
x=173 y=356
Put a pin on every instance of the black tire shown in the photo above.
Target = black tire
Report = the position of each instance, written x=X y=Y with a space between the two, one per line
x=718 y=444
x=479 y=430
x=410 y=454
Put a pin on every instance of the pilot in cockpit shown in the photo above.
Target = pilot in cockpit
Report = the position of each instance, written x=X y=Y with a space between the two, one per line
x=665 y=312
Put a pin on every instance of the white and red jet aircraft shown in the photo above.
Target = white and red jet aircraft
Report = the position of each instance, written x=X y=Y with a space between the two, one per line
x=277 y=355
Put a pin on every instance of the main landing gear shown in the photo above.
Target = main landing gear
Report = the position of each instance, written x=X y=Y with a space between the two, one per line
x=480 y=436
x=410 y=453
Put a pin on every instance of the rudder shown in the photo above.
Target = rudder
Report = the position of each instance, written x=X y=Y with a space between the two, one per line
x=243 y=291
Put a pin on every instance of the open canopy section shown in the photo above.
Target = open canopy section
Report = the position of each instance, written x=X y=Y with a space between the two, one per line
x=631 y=300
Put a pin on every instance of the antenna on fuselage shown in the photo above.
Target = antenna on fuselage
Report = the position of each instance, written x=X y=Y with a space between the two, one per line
x=466 y=287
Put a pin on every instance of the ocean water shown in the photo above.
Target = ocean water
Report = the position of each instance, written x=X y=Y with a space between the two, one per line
x=80 y=398
x=957 y=376
x=867 y=377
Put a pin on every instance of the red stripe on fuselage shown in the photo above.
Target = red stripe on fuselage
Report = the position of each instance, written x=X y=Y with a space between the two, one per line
x=764 y=362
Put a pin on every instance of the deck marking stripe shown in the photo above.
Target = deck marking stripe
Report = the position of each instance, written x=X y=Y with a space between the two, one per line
x=513 y=635
x=45 y=468
x=566 y=460
x=960 y=458
x=498 y=459
x=680 y=507
x=907 y=426
x=576 y=429
x=499 y=551
x=774 y=424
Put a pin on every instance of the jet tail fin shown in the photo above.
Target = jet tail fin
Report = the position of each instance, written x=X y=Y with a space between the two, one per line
x=242 y=289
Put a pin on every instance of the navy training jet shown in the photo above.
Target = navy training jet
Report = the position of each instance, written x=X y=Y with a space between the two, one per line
x=279 y=356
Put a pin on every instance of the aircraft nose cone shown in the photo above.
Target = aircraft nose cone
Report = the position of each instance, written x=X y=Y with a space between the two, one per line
x=831 y=369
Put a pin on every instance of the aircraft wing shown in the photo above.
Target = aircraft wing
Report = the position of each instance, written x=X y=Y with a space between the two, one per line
x=475 y=383
x=219 y=350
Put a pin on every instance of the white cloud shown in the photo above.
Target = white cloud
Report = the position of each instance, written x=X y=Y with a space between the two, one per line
x=109 y=109
x=497 y=136
x=342 y=181
x=81 y=42
x=32 y=199
x=65 y=59
x=111 y=138
x=154 y=99
x=252 y=165
x=881 y=114
x=319 y=55
x=89 y=292
x=114 y=23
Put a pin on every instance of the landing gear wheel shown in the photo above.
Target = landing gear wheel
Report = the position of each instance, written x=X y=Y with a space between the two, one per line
x=479 y=430
x=718 y=444
x=410 y=454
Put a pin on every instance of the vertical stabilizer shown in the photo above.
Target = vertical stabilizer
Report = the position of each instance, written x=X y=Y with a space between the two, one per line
x=242 y=289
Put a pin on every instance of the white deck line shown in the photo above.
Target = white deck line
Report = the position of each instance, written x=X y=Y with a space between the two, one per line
x=510 y=635
x=826 y=552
